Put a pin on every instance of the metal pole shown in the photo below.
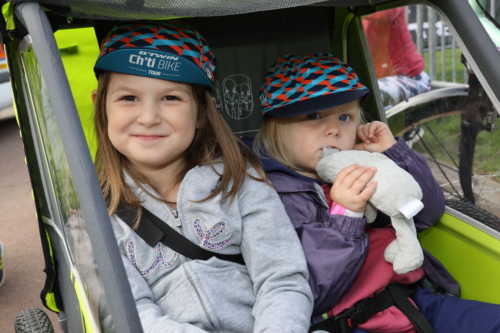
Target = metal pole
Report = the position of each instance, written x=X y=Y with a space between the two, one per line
x=432 y=38
x=420 y=29
x=443 y=52
x=454 y=59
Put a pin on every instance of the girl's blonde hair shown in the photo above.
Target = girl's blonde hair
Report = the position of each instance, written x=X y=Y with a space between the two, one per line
x=269 y=143
x=213 y=142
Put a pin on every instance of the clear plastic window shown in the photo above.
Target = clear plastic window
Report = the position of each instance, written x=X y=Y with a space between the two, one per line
x=435 y=103
x=67 y=220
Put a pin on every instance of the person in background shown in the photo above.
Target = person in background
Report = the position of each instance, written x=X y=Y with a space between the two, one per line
x=398 y=64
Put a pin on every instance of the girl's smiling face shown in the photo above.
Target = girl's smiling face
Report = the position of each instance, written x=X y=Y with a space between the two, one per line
x=150 y=121
x=305 y=135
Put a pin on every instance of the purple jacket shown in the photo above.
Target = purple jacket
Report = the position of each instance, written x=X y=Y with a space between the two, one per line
x=335 y=246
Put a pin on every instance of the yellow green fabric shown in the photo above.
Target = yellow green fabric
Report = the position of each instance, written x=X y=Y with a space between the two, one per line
x=8 y=15
x=50 y=300
x=79 y=50
x=469 y=254
x=89 y=324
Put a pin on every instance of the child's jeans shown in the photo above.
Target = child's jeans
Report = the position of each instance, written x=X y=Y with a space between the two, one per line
x=448 y=314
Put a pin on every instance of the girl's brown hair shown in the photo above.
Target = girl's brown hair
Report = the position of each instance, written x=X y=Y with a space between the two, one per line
x=213 y=142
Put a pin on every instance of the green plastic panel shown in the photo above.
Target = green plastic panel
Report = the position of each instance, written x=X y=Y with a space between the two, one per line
x=470 y=255
x=79 y=50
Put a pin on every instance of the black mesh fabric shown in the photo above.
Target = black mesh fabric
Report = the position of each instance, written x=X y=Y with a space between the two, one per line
x=156 y=9
x=246 y=45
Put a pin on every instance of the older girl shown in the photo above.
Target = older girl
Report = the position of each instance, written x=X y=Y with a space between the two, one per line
x=164 y=147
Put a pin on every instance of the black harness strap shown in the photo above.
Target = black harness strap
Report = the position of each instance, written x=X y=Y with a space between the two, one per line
x=394 y=294
x=414 y=315
x=153 y=230
x=148 y=231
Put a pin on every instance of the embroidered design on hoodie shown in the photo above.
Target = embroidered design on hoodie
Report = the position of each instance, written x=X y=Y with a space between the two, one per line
x=207 y=235
x=160 y=259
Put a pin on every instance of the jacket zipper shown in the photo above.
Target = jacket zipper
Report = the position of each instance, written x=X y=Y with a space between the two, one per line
x=322 y=199
x=199 y=297
x=174 y=212
x=178 y=223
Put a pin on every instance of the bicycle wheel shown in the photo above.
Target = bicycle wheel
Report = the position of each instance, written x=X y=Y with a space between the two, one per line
x=434 y=124
x=33 y=320
x=477 y=213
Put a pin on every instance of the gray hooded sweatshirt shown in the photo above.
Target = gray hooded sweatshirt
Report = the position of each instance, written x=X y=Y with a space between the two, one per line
x=270 y=293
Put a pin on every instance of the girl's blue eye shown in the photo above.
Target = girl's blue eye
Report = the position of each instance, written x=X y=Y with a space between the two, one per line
x=344 y=117
x=313 y=116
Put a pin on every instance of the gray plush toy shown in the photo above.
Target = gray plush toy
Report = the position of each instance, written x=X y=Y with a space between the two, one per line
x=398 y=195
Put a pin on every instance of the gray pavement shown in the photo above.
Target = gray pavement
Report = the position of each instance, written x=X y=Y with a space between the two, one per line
x=23 y=261
x=486 y=188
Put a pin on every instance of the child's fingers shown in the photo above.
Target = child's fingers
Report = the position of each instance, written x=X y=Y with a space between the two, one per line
x=372 y=131
x=354 y=178
x=360 y=183
x=366 y=132
x=360 y=133
x=345 y=172
x=367 y=193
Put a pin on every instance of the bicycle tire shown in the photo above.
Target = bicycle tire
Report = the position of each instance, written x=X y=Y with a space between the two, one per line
x=430 y=106
x=427 y=106
x=33 y=320
x=475 y=212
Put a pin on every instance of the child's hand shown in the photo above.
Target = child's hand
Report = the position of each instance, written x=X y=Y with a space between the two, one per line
x=374 y=137
x=349 y=190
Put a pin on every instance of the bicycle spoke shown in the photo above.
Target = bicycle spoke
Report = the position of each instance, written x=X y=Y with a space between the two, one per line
x=441 y=147
x=444 y=165
x=486 y=161
x=439 y=142
x=440 y=168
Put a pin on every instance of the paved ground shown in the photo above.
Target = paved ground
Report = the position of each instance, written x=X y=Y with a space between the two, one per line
x=487 y=189
x=19 y=232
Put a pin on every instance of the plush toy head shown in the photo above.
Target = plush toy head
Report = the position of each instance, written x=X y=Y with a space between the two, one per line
x=397 y=195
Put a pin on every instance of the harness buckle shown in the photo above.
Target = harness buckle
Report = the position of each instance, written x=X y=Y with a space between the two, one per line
x=347 y=320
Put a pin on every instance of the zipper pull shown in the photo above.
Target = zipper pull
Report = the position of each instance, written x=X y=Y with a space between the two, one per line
x=175 y=213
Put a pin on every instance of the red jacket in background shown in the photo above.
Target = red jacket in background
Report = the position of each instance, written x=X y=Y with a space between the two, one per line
x=391 y=44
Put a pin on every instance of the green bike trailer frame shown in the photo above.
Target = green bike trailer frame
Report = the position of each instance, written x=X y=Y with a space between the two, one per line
x=51 y=46
x=54 y=141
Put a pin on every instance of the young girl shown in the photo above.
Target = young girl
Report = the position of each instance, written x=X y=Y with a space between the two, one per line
x=312 y=101
x=164 y=146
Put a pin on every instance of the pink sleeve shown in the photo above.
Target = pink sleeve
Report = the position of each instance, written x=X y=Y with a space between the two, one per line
x=337 y=209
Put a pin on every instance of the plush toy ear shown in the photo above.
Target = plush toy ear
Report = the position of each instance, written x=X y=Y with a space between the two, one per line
x=327 y=151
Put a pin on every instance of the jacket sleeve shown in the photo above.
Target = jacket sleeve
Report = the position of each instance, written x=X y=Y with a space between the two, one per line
x=433 y=197
x=335 y=247
x=274 y=260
